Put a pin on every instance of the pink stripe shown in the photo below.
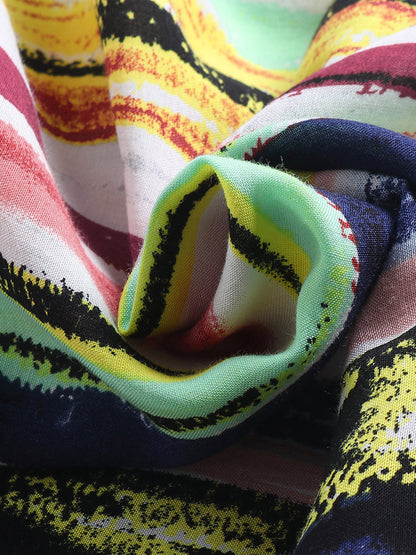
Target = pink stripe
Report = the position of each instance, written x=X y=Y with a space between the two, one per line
x=266 y=466
x=14 y=89
x=391 y=308
x=28 y=187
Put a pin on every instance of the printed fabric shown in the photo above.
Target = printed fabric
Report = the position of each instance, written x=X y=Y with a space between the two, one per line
x=208 y=234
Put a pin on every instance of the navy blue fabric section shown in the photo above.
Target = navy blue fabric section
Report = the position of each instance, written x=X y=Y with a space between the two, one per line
x=373 y=227
x=362 y=525
x=76 y=427
x=323 y=144
x=394 y=194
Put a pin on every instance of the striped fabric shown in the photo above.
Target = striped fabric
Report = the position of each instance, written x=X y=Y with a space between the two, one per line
x=207 y=229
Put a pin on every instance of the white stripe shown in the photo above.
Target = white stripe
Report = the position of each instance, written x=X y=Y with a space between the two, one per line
x=90 y=180
x=46 y=255
x=149 y=166
x=246 y=296
x=385 y=109
x=208 y=262
x=11 y=115
x=154 y=94
x=406 y=36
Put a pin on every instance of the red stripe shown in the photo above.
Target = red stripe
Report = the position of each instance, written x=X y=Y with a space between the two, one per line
x=164 y=128
x=117 y=248
x=81 y=136
x=390 y=67
x=64 y=118
x=13 y=88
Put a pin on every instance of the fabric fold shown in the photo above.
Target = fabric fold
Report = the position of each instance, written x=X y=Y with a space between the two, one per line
x=207 y=228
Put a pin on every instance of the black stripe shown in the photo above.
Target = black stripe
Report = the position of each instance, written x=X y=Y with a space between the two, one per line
x=250 y=399
x=65 y=309
x=361 y=78
x=37 y=61
x=58 y=361
x=18 y=536
x=247 y=401
x=243 y=403
x=260 y=256
x=60 y=307
x=164 y=259
x=156 y=26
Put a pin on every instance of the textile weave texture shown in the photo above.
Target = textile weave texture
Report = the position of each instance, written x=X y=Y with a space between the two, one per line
x=207 y=277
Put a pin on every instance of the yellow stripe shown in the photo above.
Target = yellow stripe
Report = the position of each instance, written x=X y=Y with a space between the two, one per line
x=209 y=43
x=157 y=222
x=111 y=360
x=134 y=61
x=182 y=274
x=278 y=240
x=53 y=27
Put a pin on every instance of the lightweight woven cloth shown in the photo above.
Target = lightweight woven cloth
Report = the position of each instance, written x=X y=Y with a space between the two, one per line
x=208 y=242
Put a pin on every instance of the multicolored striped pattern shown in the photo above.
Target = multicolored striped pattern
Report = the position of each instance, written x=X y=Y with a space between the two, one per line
x=207 y=214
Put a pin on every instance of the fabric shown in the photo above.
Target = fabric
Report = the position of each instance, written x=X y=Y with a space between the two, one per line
x=207 y=265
